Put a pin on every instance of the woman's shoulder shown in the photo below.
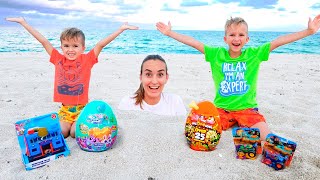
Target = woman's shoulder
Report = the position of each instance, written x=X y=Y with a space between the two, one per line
x=170 y=96
x=173 y=99
x=175 y=103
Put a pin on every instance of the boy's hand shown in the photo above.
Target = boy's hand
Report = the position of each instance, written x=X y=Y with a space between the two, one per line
x=314 y=25
x=126 y=26
x=163 y=28
x=16 y=19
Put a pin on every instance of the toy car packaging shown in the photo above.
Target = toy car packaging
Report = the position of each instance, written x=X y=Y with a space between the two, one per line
x=247 y=142
x=96 y=127
x=278 y=152
x=40 y=140
x=203 y=128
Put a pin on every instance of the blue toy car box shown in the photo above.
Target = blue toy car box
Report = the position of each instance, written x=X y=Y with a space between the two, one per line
x=247 y=142
x=40 y=140
x=278 y=152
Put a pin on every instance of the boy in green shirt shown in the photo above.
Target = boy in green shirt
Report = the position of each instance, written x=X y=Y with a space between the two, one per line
x=235 y=71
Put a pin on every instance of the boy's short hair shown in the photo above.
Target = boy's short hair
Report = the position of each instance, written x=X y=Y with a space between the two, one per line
x=71 y=33
x=235 y=20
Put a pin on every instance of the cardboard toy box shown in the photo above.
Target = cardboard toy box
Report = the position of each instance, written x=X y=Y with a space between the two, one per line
x=247 y=142
x=278 y=151
x=40 y=140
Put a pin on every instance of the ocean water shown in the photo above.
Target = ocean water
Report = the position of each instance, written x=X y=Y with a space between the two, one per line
x=16 y=39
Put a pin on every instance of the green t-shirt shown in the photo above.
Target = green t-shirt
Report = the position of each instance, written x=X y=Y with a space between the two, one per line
x=235 y=79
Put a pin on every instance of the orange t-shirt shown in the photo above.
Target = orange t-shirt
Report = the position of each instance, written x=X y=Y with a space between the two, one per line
x=72 y=77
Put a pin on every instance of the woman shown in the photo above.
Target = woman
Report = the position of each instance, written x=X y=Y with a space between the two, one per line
x=149 y=97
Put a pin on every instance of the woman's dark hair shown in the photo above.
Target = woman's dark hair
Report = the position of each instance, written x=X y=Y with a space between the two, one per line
x=139 y=94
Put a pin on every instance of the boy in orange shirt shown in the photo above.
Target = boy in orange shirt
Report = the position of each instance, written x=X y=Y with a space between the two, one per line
x=72 y=69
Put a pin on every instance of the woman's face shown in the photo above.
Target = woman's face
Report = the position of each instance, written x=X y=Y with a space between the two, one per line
x=153 y=78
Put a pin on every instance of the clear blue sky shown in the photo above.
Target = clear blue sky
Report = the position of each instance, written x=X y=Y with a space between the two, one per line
x=265 y=15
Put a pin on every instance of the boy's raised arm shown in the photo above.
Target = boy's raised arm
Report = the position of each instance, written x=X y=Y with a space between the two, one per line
x=101 y=44
x=313 y=27
x=166 y=30
x=45 y=43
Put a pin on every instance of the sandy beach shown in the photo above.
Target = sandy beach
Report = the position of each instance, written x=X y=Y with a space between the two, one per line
x=151 y=146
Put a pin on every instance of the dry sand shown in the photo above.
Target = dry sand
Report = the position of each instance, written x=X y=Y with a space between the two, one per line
x=150 y=146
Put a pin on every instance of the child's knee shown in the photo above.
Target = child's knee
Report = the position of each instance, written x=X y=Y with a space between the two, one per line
x=65 y=133
x=264 y=129
x=65 y=128
x=72 y=130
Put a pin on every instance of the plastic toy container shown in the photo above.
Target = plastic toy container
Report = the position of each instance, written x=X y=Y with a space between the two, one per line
x=203 y=129
x=96 y=127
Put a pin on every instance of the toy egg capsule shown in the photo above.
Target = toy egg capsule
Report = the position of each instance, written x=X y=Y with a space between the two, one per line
x=203 y=128
x=96 y=127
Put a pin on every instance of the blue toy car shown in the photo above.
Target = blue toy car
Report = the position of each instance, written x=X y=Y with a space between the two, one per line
x=278 y=152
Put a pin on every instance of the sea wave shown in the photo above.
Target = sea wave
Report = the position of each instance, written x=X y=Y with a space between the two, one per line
x=149 y=41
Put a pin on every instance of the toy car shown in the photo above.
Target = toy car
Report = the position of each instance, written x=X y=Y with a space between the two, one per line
x=247 y=142
x=246 y=151
x=274 y=159
x=278 y=152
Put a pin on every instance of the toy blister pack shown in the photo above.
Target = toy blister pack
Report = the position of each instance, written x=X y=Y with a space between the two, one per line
x=40 y=140
x=278 y=152
x=247 y=142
